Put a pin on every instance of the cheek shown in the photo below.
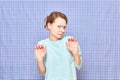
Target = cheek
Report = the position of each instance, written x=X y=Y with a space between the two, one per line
x=56 y=30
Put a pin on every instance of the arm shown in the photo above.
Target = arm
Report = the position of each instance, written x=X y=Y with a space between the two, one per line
x=40 y=52
x=41 y=67
x=78 y=60
x=73 y=46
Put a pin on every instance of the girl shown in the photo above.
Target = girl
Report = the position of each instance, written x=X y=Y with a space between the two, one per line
x=58 y=56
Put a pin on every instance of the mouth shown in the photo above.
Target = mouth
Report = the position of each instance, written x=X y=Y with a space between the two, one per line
x=61 y=34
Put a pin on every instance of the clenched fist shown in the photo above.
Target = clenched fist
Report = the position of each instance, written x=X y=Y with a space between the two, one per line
x=40 y=52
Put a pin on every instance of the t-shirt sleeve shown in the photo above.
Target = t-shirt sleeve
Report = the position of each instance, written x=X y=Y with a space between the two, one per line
x=41 y=42
x=80 y=55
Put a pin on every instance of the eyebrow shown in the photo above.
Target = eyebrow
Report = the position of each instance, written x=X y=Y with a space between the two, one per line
x=62 y=25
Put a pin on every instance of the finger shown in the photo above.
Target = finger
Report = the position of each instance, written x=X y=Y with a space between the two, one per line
x=39 y=46
x=42 y=47
x=35 y=47
x=68 y=39
x=67 y=42
x=71 y=39
x=75 y=40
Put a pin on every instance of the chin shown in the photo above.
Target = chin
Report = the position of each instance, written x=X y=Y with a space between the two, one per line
x=60 y=36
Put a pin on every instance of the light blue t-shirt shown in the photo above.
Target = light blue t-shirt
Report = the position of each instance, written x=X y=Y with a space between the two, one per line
x=59 y=60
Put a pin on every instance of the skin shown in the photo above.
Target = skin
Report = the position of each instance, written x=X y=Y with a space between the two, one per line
x=57 y=30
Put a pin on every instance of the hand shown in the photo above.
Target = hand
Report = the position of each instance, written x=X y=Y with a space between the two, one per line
x=40 y=51
x=72 y=45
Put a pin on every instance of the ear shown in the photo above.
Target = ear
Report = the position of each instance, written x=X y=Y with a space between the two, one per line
x=49 y=25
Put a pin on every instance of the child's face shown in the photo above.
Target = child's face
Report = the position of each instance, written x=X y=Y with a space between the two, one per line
x=57 y=28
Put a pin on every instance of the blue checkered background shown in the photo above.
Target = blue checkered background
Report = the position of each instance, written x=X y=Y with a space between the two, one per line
x=96 y=25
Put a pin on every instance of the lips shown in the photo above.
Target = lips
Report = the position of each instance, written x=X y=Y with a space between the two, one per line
x=60 y=34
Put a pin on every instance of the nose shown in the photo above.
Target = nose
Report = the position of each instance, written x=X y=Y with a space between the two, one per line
x=63 y=30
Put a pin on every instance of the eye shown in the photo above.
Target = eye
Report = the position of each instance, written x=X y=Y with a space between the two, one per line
x=59 y=26
x=64 y=27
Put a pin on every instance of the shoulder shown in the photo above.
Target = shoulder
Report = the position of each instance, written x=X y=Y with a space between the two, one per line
x=42 y=41
x=67 y=37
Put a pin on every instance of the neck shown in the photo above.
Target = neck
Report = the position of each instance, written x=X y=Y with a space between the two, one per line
x=53 y=38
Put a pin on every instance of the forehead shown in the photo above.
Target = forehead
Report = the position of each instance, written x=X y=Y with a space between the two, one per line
x=60 y=21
